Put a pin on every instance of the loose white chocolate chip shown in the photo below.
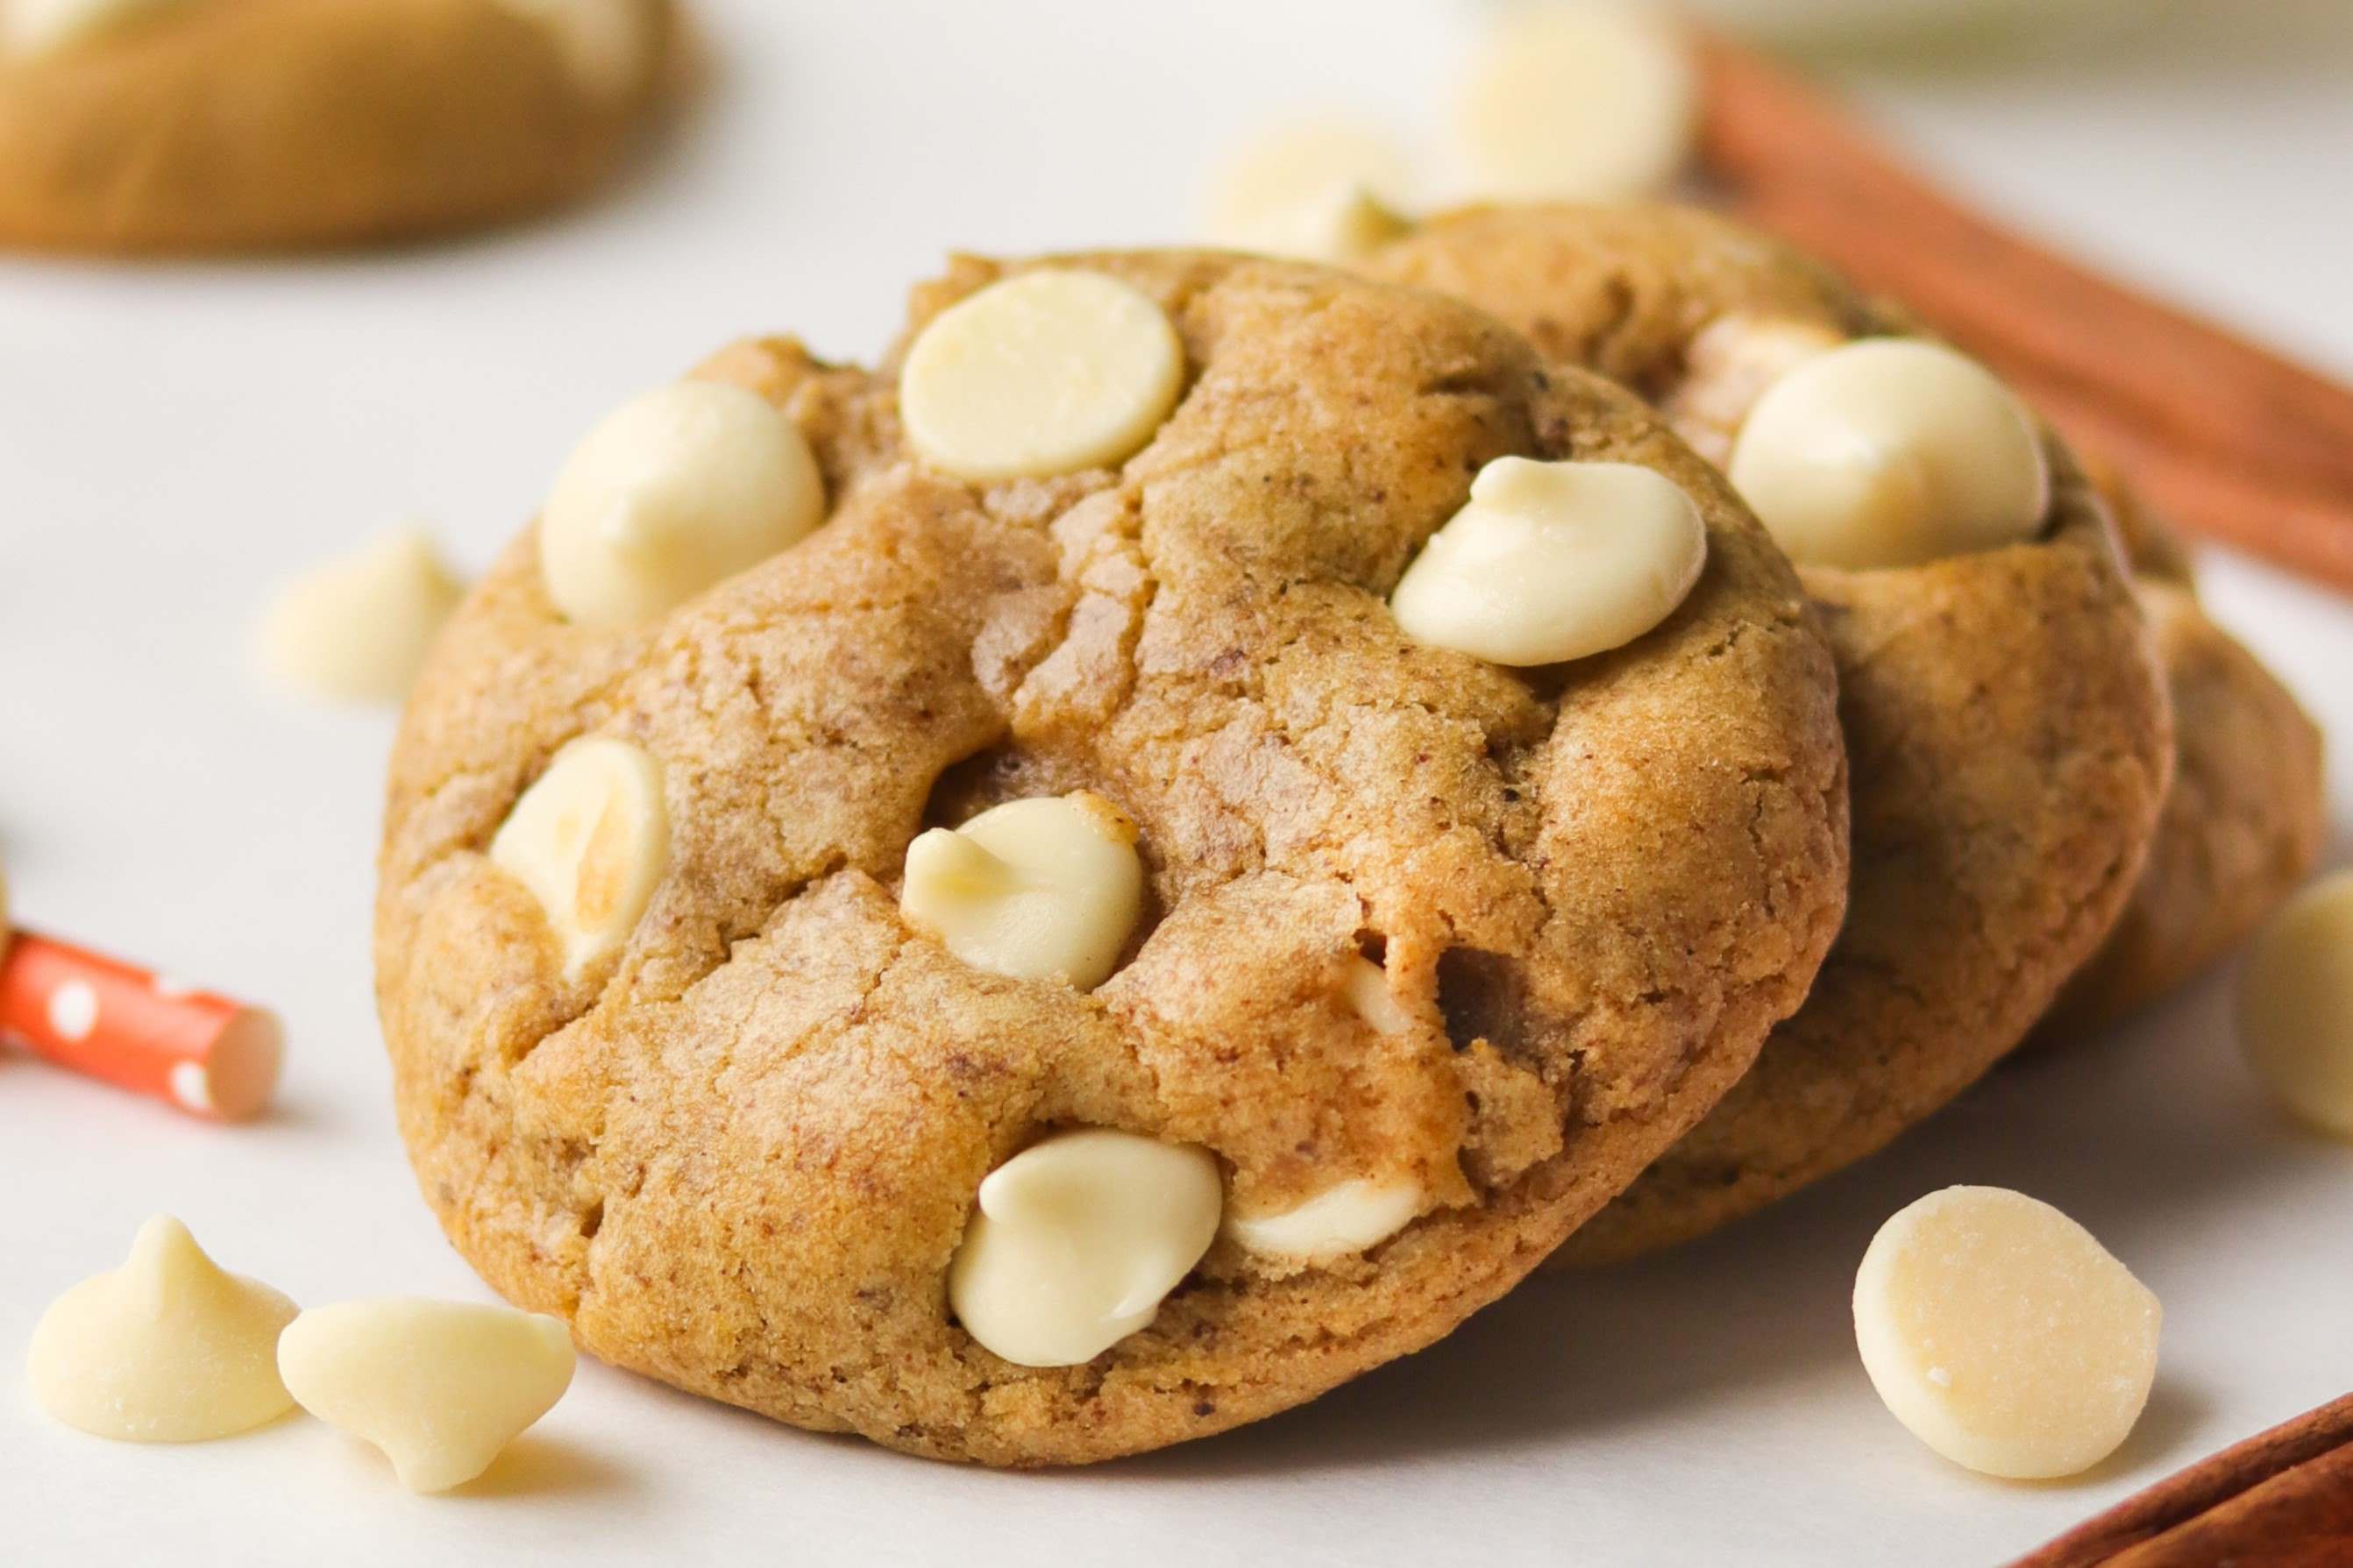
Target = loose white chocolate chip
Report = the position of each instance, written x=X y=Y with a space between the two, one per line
x=1078 y=1239
x=1336 y=1222
x=1891 y=452
x=1594 y=101
x=605 y=43
x=675 y=492
x=166 y=1349
x=1327 y=190
x=1343 y=227
x=358 y=629
x=591 y=841
x=1032 y=888
x=1366 y=986
x=1043 y=373
x=46 y=26
x=2296 y=1004
x=1554 y=560
x=440 y=1386
x=2003 y=1335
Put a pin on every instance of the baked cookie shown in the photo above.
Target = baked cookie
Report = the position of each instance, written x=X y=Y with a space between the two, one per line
x=2246 y=819
x=1003 y=780
x=2005 y=723
x=137 y=126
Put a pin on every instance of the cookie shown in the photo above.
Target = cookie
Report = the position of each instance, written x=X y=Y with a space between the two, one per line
x=2007 y=730
x=2246 y=819
x=1076 y=868
x=190 y=126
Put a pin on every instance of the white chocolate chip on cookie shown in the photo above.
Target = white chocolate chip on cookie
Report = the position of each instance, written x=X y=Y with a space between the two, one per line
x=357 y=629
x=440 y=1386
x=1891 y=452
x=1078 y=1239
x=1327 y=190
x=2003 y=1334
x=45 y=27
x=675 y=492
x=1336 y=1222
x=1593 y=101
x=166 y=1349
x=591 y=841
x=1033 y=888
x=1365 y=984
x=1043 y=373
x=1729 y=364
x=1552 y=561
x=605 y=43
x=2296 y=1005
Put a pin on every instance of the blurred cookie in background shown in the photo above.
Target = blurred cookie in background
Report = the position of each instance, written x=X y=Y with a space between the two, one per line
x=205 y=126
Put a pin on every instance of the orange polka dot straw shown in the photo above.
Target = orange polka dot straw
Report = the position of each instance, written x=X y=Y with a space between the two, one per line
x=204 y=1053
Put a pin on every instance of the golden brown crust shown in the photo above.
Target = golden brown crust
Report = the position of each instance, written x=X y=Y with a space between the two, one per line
x=742 y=1161
x=2244 y=823
x=2247 y=817
x=2006 y=728
x=240 y=125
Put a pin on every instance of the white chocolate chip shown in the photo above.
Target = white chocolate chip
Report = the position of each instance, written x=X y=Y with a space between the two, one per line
x=1327 y=190
x=2003 y=1335
x=675 y=492
x=1730 y=363
x=1554 y=560
x=1891 y=452
x=357 y=629
x=1078 y=1239
x=46 y=26
x=1033 y=888
x=1365 y=984
x=439 y=1386
x=1593 y=101
x=1043 y=373
x=166 y=1349
x=1357 y=1213
x=591 y=841
x=1336 y=1222
x=2296 y=1005
x=605 y=43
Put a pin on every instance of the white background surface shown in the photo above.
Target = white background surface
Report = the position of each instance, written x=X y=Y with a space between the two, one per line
x=173 y=441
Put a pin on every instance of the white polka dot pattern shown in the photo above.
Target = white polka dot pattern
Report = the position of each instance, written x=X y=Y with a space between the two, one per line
x=191 y=1087
x=73 y=1010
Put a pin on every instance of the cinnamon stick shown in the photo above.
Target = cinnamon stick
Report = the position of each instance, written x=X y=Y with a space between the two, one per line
x=2233 y=441
x=2283 y=1499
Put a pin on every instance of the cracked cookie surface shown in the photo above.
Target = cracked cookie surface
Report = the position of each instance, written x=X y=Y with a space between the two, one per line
x=191 y=126
x=740 y=1156
x=2008 y=736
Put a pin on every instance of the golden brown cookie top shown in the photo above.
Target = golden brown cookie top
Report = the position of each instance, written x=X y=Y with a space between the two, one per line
x=232 y=125
x=1487 y=936
x=1626 y=290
